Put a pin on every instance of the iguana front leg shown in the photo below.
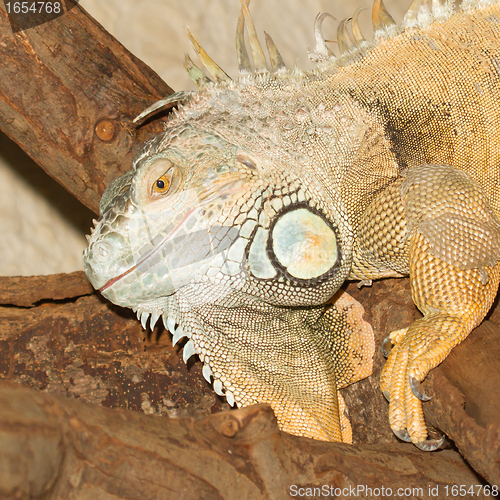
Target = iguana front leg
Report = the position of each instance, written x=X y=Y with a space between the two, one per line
x=454 y=271
x=453 y=301
x=291 y=358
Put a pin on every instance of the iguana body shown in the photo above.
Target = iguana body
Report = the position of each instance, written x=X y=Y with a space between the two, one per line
x=265 y=194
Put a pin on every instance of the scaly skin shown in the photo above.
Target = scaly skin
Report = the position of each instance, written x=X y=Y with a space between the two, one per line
x=264 y=194
x=453 y=301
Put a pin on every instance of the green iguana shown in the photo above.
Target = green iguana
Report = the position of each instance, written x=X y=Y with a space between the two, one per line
x=265 y=193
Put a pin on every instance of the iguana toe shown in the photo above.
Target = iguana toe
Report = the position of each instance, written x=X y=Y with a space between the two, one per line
x=405 y=408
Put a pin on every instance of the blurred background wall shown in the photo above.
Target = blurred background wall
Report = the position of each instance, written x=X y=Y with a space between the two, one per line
x=42 y=227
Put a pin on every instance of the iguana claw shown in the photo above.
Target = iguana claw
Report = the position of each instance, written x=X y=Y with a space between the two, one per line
x=431 y=444
x=391 y=340
x=387 y=346
x=418 y=391
x=403 y=435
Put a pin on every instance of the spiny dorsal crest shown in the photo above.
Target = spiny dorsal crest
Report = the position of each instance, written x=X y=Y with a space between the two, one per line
x=352 y=45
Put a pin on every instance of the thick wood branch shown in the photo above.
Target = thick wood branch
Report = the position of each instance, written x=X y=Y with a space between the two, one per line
x=466 y=399
x=68 y=94
x=26 y=292
x=64 y=449
x=81 y=346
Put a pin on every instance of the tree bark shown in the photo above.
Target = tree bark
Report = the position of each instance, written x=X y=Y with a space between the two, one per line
x=69 y=450
x=78 y=345
x=68 y=94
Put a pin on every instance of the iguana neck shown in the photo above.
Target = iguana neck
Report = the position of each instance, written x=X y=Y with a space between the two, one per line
x=309 y=122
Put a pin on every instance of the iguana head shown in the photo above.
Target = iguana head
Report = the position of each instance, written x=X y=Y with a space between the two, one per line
x=201 y=209
x=227 y=228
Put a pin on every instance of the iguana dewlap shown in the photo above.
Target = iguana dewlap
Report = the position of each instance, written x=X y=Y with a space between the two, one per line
x=264 y=194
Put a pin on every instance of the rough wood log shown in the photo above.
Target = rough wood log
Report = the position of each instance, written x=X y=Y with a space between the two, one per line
x=68 y=94
x=56 y=448
x=83 y=347
x=26 y=292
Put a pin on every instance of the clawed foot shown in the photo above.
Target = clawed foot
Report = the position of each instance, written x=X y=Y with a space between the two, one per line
x=408 y=363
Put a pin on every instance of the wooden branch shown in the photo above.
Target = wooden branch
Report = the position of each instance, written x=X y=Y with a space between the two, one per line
x=20 y=291
x=68 y=94
x=58 y=448
x=466 y=402
x=82 y=346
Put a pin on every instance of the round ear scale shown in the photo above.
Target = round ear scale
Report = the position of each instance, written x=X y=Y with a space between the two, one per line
x=304 y=244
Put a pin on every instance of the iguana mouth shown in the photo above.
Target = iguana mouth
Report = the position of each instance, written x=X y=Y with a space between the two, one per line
x=112 y=281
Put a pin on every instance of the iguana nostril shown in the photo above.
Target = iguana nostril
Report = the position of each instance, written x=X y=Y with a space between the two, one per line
x=102 y=250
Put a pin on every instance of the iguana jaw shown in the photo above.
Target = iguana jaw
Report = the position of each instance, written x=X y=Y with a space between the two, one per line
x=161 y=262
x=143 y=260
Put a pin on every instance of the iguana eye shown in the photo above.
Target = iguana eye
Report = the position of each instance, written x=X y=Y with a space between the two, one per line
x=162 y=184
x=168 y=182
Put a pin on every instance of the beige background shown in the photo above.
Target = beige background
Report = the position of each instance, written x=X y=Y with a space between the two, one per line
x=42 y=228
